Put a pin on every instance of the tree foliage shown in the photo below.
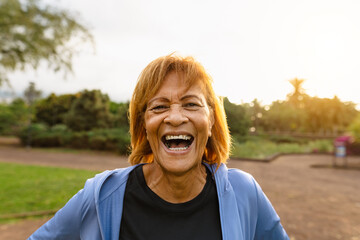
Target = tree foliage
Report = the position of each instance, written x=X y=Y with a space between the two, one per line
x=284 y=117
x=13 y=117
x=31 y=32
x=354 y=128
x=90 y=110
x=237 y=117
x=52 y=110
x=31 y=94
x=120 y=114
x=325 y=115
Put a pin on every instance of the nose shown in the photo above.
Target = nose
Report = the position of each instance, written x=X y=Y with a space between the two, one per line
x=176 y=116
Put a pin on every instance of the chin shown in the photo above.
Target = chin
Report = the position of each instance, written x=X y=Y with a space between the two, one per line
x=178 y=166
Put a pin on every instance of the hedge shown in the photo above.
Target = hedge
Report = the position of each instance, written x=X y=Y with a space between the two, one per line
x=39 y=135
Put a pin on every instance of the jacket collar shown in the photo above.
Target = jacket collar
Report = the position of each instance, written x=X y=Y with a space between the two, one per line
x=109 y=195
x=229 y=216
x=110 y=190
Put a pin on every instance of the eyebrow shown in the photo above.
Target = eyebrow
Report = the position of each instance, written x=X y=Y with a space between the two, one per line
x=190 y=96
x=182 y=98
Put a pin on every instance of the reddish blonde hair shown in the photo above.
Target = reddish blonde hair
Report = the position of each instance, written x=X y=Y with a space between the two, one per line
x=150 y=81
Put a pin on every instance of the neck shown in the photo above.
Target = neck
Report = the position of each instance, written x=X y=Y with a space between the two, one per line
x=175 y=188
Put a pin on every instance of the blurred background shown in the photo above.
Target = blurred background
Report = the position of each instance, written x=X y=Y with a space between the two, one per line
x=287 y=71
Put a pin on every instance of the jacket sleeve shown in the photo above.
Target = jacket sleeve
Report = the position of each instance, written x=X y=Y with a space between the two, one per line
x=268 y=226
x=66 y=223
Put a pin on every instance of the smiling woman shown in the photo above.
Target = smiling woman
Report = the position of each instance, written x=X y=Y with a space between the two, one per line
x=179 y=186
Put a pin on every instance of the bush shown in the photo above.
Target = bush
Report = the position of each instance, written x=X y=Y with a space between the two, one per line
x=60 y=128
x=354 y=148
x=115 y=139
x=79 y=140
x=27 y=134
x=321 y=146
x=39 y=135
x=89 y=111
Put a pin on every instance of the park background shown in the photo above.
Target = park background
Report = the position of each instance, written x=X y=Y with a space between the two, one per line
x=287 y=73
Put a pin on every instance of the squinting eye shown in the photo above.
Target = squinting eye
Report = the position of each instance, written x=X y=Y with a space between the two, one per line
x=191 y=105
x=159 y=108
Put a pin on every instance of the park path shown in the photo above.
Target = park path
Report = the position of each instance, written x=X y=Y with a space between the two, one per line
x=313 y=203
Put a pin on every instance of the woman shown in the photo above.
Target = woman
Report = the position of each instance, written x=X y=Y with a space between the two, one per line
x=179 y=186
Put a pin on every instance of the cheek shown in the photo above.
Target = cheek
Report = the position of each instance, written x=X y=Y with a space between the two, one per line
x=149 y=122
x=203 y=126
x=152 y=124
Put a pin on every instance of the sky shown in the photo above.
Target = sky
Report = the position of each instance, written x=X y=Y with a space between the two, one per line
x=251 y=48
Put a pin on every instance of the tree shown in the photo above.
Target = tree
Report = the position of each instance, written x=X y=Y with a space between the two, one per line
x=31 y=94
x=256 y=112
x=298 y=95
x=13 y=117
x=52 y=110
x=283 y=116
x=89 y=111
x=32 y=32
x=120 y=114
x=326 y=115
x=354 y=127
x=237 y=118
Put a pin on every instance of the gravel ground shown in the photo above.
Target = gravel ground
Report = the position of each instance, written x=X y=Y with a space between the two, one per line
x=313 y=203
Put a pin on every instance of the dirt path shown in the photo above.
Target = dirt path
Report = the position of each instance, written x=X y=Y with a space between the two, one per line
x=313 y=203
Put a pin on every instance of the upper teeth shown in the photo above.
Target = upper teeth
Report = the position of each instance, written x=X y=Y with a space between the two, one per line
x=183 y=137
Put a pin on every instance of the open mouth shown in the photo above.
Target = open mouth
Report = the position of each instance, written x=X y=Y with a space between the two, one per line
x=177 y=142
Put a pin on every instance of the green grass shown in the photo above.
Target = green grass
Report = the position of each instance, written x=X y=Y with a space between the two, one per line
x=261 y=149
x=26 y=188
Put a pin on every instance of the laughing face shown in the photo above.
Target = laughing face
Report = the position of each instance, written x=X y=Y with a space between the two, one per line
x=178 y=123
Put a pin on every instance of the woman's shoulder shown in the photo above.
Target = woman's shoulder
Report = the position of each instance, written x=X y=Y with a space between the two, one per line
x=234 y=176
x=239 y=176
x=104 y=183
x=242 y=182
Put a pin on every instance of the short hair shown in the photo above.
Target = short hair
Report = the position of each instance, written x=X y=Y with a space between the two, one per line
x=150 y=81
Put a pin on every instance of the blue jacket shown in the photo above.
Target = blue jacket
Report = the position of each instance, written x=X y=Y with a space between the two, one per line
x=95 y=211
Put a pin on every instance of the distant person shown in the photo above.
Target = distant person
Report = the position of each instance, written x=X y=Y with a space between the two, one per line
x=179 y=186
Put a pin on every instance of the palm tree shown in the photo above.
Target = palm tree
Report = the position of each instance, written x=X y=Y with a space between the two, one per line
x=299 y=92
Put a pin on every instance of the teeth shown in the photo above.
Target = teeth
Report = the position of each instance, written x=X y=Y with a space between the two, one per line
x=183 y=137
x=178 y=149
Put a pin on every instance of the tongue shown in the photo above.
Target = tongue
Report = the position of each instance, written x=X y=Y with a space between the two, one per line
x=178 y=144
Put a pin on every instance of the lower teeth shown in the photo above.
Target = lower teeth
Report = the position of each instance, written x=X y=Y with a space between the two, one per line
x=178 y=149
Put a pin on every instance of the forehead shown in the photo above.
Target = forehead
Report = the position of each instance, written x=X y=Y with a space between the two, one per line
x=175 y=83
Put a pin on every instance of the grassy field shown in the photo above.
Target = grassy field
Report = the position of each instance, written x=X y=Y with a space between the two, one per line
x=261 y=149
x=26 y=188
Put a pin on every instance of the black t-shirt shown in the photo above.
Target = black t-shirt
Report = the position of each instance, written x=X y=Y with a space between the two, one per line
x=146 y=216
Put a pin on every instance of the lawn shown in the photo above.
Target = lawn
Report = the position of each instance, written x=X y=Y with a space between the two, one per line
x=262 y=148
x=26 y=188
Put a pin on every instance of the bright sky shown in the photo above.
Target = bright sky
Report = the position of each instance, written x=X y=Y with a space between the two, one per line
x=251 y=48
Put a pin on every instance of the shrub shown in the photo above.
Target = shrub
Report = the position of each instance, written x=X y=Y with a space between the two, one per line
x=354 y=148
x=60 y=128
x=79 y=140
x=321 y=146
x=98 y=142
x=28 y=133
x=115 y=139
x=89 y=111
